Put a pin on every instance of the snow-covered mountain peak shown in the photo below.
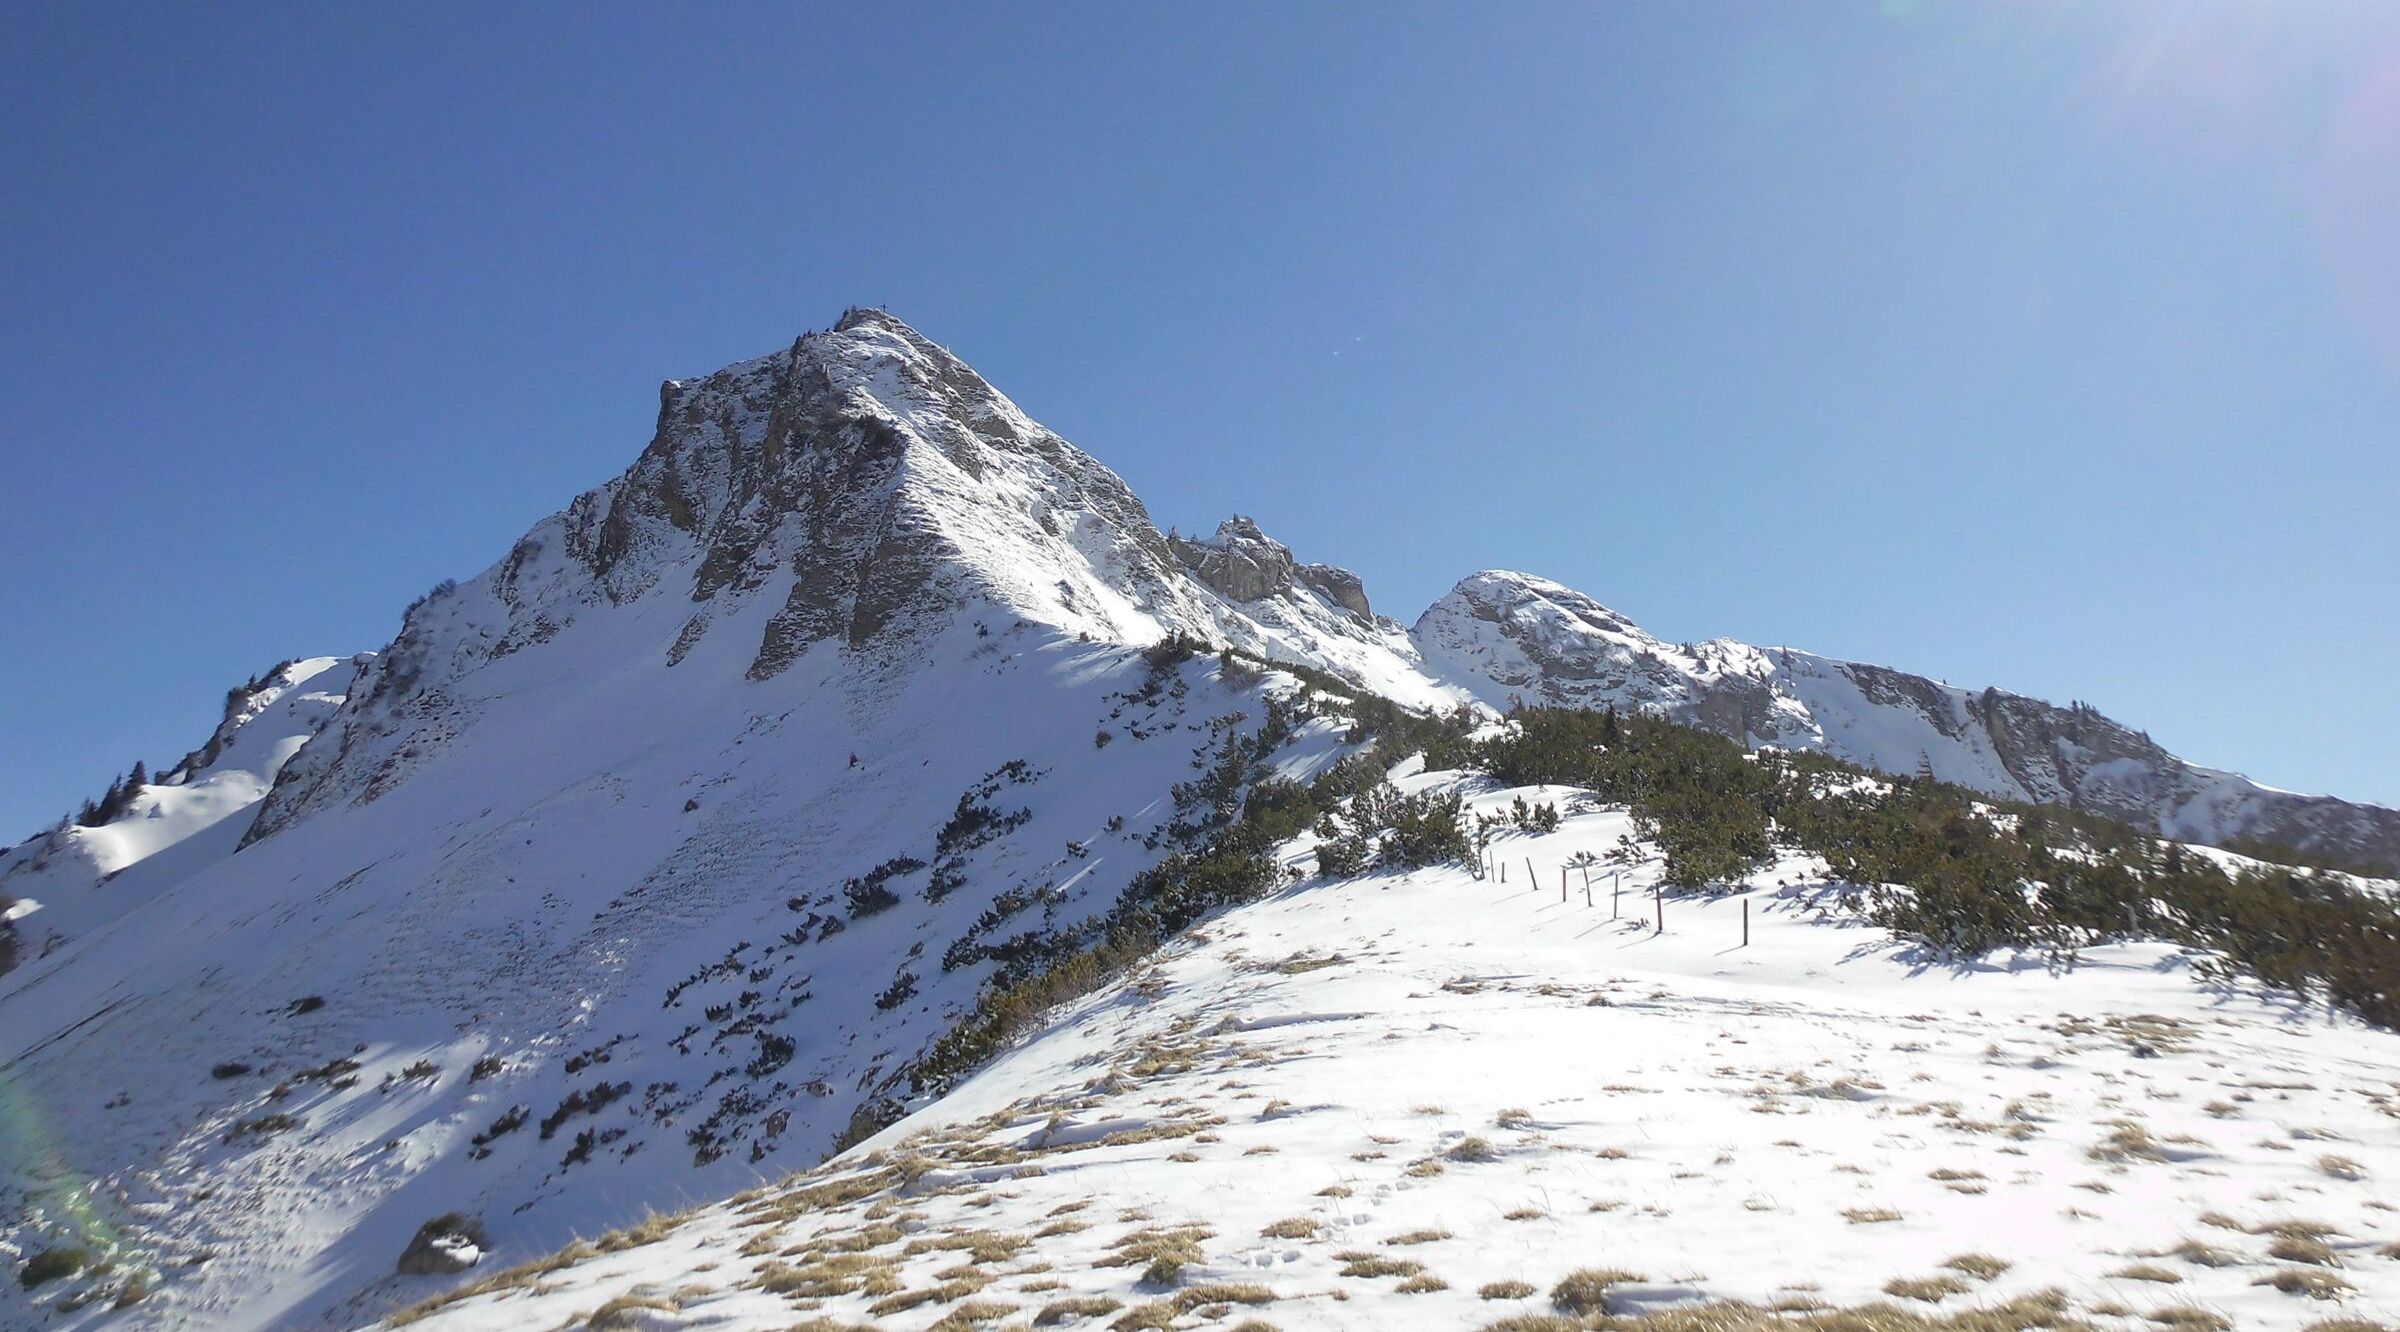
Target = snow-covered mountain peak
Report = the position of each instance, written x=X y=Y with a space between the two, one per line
x=889 y=482
x=76 y=877
x=1515 y=636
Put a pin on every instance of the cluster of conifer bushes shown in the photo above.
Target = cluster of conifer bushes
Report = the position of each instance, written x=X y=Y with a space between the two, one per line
x=1934 y=862
x=1956 y=869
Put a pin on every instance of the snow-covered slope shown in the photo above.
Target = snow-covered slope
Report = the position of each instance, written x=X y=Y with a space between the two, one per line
x=566 y=913
x=69 y=879
x=1426 y=1100
x=1505 y=636
x=641 y=865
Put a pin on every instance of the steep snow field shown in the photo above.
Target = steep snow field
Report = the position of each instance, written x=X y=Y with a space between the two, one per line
x=619 y=971
x=1424 y=1100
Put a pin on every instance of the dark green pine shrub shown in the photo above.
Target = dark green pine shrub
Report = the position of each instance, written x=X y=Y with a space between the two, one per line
x=52 y=1264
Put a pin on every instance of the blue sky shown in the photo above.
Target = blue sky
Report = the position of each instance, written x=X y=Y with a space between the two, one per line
x=2042 y=345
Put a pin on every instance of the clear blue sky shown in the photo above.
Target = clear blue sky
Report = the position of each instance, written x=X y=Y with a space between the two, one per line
x=2043 y=345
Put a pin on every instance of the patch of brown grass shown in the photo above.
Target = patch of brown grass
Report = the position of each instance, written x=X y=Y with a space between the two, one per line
x=1981 y=1266
x=2309 y=1281
x=1075 y=1306
x=1585 y=1291
x=1928 y=1290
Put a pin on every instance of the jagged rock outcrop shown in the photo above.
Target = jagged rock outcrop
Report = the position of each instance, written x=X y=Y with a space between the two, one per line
x=446 y=1245
x=1242 y=563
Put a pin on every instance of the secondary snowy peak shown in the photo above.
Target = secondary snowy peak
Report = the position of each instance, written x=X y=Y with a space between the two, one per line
x=75 y=876
x=1510 y=636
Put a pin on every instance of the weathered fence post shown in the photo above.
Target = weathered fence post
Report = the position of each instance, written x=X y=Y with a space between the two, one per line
x=1745 y=922
x=1661 y=892
x=1532 y=880
x=1562 y=885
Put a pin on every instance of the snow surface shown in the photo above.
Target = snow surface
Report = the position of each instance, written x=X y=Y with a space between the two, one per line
x=1493 y=1084
x=585 y=825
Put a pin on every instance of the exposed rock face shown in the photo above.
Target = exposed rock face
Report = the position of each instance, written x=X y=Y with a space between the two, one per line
x=444 y=1246
x=1242 y=563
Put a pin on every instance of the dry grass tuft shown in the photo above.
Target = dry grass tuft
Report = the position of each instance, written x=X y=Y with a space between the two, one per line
x=625 y=1311
x=1869 y=1216
x=1981 y=1266
x=2303 y=1249
x=1292 y=1227
x=1419 y=1237
x=1586 y=1291
x=1376 y=1265
x=2128 y=1141
x=1929 y=1290
x=902 y=1301
x=2341 y=1167
x=2165 y=1276
x=1075 y=1306
x=2204 y=1255
x=973 y=1313
x=1505 y=1290
x=2309 y=1281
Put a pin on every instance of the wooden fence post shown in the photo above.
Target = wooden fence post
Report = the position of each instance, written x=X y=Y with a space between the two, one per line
x=1562 y=885
x=1532 y=880
x=1745 y=922
x=1661 y=892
